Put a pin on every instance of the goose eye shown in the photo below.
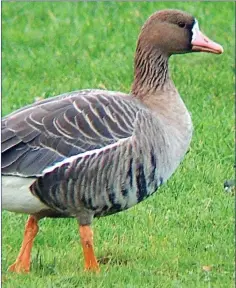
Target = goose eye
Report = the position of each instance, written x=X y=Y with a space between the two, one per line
x=181 y=24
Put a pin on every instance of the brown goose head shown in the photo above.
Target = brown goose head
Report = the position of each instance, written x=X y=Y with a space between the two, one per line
x=175 y=32
x=165 y=33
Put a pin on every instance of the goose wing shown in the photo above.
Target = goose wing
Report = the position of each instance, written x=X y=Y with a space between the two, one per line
x=44 y=133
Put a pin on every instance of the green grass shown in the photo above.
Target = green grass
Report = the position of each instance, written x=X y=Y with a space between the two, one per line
x=52 y=48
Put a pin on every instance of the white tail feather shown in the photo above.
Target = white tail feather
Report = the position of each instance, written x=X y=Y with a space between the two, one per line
x=16 y=196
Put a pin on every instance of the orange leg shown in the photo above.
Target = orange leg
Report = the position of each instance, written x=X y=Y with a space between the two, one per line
x=86 y=235
x=22 y=263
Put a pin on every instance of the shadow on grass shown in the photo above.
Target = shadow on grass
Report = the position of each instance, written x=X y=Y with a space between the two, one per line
x=111 y=260
x=42 y=267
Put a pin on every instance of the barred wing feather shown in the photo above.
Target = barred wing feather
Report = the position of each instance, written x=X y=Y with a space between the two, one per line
x=44 y=133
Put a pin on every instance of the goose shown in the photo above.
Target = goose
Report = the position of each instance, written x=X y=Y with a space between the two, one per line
x=93 y=153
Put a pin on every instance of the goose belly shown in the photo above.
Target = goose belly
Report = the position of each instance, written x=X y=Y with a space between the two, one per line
x=16 y=196
x=103 y=184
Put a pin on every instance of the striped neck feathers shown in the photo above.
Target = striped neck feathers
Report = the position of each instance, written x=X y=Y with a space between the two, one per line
x=150 y=71
x=154 y=88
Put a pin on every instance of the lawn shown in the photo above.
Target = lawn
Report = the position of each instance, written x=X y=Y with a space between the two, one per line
x=183 y=236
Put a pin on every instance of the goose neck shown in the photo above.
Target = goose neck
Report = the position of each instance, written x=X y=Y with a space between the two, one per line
x=150 y=71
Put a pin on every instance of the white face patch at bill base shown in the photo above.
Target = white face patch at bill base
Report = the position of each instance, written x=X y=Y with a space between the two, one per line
x=195 y=30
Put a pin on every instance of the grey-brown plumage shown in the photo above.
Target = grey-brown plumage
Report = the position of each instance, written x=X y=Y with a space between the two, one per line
x=118 y=161
x=111 y=179
x=92 y=153
x=57 y=128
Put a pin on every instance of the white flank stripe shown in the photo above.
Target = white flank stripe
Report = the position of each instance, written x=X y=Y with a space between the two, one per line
x=95 y=151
